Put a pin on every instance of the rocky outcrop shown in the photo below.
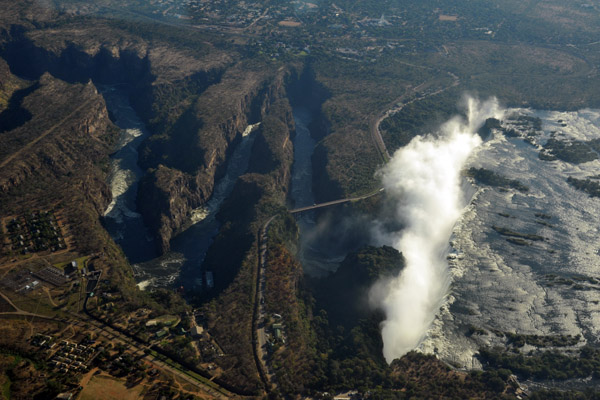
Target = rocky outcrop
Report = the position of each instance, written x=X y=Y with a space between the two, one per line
x=160 y=78
x=166 y=197
x=194 y=151
x=162 y=81
x=273 y=151
x=196 y=104
x=69 y=130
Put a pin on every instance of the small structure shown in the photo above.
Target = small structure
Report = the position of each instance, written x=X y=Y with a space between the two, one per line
x=277 y=328
x=162 y=333
x=197 y=331
x=70 y=268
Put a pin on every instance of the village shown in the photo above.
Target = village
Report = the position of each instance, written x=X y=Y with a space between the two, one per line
x=45 y=280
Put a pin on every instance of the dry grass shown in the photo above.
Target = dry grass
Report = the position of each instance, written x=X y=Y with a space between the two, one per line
x=290 y=24
x=105 y=387
x=444 y=17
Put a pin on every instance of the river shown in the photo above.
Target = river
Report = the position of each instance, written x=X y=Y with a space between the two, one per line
x=121 y=219
x=543 y=287
x=326 y=235
x=188 y=249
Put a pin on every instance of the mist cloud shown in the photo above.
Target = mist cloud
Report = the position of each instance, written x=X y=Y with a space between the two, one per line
x=423 y=180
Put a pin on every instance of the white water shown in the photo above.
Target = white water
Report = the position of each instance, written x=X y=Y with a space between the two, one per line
x=424 y=181
x=503 y=287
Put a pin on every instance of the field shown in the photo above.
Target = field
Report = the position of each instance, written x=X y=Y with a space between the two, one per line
x=104 y=387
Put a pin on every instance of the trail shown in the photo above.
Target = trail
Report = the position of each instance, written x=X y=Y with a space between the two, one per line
x=42 y=136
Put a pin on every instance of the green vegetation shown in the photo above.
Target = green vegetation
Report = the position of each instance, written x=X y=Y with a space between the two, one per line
x=81 y=262
x=35 y=232
x=292 y=362
x=527 y=122
x=575 y=151
x=547 y=364
x=491 y=178
x=208 y=68
x=418 y=118
x=585 y=185
x=519 y=340
x=343 y=295
x=512 y=234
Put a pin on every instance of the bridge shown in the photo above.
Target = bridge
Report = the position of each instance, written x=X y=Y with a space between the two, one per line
x=334 y=202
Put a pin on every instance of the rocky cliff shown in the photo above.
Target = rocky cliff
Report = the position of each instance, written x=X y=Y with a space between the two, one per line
x=69 y=130
x=59 y=157
x=164 y=82
x=196 y=100
x=258 y=195
x=185 y=162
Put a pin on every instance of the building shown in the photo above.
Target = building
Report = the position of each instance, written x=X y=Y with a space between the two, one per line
x=70 y=268
x=277 y=328
x=197 y=331
x=162 y=333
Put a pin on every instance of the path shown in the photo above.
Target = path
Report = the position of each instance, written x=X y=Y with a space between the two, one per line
x=179 y=371
x=42 y=136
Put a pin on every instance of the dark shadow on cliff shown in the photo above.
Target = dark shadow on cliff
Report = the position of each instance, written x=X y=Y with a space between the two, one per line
x=15 y=115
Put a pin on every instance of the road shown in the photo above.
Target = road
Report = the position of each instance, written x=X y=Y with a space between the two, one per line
x=134 y=347
x=398 y=105
x=258 y=323
x=19 y=311
x=43 y=135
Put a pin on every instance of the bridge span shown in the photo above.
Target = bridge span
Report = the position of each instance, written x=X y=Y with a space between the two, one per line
x=334 y=202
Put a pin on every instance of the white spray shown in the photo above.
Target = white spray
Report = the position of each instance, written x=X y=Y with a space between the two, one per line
x=423 y=179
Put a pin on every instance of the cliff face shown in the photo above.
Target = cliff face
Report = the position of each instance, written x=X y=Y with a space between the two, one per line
x=164 y=82
x=69 y=130
x=160 y=78
x=257 y=195
x=195 y=102
x=185 y=162
x=58 y=159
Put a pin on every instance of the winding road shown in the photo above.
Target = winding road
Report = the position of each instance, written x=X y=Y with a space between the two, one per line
x=396 y=106
x=259 y=336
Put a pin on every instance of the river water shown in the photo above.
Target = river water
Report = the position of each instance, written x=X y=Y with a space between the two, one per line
x=545 y=287
x=302 y=193
x=121 y=220
x=188 y=249
x=327 y=235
